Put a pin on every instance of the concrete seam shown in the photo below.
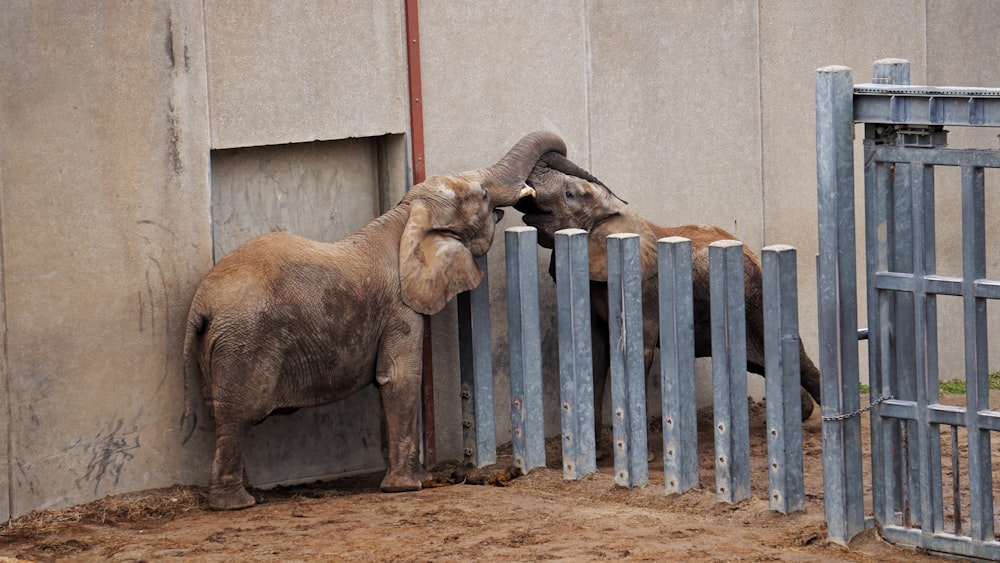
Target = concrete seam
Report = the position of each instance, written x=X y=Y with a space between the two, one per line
x=760 y=132
x=208 y=118
x=588 y=79
x=3 y=359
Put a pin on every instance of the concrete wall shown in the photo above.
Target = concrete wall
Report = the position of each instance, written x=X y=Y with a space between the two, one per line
x=110 y=113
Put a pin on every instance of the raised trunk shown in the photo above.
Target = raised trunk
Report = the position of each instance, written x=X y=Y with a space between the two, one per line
x=505 y=178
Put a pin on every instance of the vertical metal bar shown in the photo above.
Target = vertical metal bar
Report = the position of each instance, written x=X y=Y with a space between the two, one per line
x=680 y=417
x=956 y=482
x=576 y=376
x=927 y=473
x=781 y=357
x=976 y=368
x=883 y=438
x=476 y=368
x=628 y=378
x=729 y=371
x=837 y=285
x=902 y=324
x=524 y=334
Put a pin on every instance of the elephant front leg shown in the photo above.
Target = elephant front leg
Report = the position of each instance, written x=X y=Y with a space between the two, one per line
x=399 y=385
x=227 y=490
x=601 y=365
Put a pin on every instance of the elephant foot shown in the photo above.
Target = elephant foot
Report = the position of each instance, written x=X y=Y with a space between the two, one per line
x=421 y=474
x=396 y=483
x=230 y=498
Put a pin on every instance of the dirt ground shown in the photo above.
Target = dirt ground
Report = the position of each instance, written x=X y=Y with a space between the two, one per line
x=534 y=517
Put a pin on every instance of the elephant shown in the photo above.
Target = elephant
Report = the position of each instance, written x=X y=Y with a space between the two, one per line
x=284 y=322
x=567 y=196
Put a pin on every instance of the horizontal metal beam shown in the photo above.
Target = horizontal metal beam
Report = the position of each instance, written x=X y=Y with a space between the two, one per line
x=983 y=158
x=926 y=105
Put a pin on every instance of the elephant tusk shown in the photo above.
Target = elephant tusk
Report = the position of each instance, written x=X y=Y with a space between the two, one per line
x=526 y=191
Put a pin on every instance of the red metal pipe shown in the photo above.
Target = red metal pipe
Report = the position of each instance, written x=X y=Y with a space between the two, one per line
x=419 y=171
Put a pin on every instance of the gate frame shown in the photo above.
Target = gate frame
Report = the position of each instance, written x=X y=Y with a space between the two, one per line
x=911 y=119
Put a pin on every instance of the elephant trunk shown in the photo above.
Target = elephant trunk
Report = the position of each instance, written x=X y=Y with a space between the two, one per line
x=506 y=178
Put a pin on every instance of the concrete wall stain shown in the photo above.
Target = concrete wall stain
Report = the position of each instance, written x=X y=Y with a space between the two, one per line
x=109 y=450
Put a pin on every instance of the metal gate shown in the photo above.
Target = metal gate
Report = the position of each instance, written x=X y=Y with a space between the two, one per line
x=904 y=140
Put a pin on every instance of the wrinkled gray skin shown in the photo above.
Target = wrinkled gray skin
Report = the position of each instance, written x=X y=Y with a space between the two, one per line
x=284 y=322
x=566 y=196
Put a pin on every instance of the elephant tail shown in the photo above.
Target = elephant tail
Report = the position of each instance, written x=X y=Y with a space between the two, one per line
x=197 y=324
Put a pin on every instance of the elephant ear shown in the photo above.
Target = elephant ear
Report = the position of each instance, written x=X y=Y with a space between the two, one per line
x=433 y=266
x=617 y=224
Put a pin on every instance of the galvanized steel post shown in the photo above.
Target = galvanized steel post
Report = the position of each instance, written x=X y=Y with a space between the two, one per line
x=837 y=294
x=680 y=419
x=782 y=385
x=729 y=371
x=576 y=371
x=525 y=341
x=628 y=378
x=475 y=351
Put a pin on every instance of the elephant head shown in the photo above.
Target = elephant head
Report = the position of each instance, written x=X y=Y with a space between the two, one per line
x=452 y=220
x=568 y=197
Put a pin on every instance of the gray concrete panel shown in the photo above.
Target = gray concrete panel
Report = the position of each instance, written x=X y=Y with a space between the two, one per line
x=324 y=191
x=105 y=224
x=304 y=70
x=674 y=111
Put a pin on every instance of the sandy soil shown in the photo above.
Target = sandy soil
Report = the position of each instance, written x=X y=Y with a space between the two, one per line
x=534 y=517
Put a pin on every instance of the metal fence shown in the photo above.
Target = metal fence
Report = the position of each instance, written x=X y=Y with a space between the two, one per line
x=627 y=370
x=904 y=140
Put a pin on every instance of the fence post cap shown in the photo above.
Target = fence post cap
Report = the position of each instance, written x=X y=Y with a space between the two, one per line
x=892 y=61
x=519 y=229
x=834 y=69
x=778 y=248
x=570 y=232
x=623 y=235
x=674 y=240
x=726 y=243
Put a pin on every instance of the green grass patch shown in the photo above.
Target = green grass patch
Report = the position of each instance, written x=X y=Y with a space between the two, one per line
x=952 y=386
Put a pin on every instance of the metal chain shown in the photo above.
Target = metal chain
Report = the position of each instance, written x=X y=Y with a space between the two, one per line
x=859 y=411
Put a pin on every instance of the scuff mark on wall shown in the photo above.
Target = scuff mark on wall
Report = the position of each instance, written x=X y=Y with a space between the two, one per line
x=110 y=450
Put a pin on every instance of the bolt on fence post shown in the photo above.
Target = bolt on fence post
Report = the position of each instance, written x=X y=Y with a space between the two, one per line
x=680 y=417
x=479 y=437
x=576 y=370
x=729 y=371
x=782 y=386
x=628 y=378
x=837 y=291
x=524 y=336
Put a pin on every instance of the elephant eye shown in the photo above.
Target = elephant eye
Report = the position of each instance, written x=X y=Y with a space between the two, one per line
x=569 y=194
x=486 y=193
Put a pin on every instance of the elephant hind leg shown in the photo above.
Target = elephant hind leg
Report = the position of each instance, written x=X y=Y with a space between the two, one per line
x=227 y=487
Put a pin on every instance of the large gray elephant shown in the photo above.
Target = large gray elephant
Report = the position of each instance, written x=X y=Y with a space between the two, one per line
x=567 y=196
x=284 y=322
